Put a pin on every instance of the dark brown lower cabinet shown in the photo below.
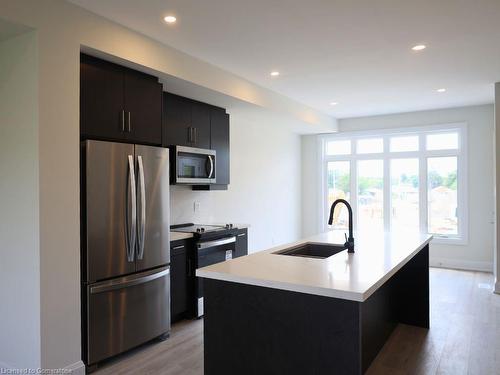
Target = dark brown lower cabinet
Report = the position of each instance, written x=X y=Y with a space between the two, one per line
x=241 y=248
x=182 y=274
x=179 y=278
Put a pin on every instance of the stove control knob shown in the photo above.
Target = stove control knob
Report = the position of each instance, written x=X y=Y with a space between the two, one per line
x=227 y=226
x=198 y=230
x=202 y=229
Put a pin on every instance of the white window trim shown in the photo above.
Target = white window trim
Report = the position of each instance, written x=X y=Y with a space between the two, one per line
x=386 y=155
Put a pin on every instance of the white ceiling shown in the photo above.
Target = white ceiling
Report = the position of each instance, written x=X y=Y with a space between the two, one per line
x=354 y=52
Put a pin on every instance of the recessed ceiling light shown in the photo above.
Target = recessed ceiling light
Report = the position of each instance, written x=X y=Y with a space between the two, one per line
x=441 y=90
x=419 y=47
x=170 y=19
x=333 y=103
x=275 y=73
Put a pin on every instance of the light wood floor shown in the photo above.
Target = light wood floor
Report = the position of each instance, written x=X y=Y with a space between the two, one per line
x=464 y=337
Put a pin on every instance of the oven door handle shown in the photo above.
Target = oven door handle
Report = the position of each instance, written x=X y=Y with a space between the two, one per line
x=207 y=244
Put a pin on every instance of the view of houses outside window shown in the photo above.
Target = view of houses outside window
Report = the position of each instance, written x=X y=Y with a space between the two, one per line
x=339 y=187
x=405 y=193
x=371 y=194
x=398 y=180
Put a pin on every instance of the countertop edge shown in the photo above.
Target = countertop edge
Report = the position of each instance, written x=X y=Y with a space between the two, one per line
x=325 y=292
x=176 y=236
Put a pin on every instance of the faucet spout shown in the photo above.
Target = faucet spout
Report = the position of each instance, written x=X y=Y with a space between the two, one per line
x=350 y=240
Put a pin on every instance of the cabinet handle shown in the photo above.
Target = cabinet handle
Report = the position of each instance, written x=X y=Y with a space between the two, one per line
x=129 y=123
x=189 y=134
x=178 y=247
x=195 y=135
x=241 y=235
x=123 y=120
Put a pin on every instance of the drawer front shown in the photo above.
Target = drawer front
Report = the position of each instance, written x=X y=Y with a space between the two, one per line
x=127 y=312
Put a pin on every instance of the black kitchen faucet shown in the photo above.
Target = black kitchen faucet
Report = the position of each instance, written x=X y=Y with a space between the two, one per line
x=349 y=243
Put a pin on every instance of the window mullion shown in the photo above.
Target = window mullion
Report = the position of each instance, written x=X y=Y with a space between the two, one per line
x=354 y=191
x=387 y=186
x=422 y=161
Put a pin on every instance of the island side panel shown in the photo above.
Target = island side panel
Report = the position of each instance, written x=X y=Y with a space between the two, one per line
x=251 y=330
x=378 y=316
x=412 y=283
x=404 y=298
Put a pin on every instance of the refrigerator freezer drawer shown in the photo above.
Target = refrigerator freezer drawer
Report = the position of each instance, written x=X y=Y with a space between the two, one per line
x=126 y=312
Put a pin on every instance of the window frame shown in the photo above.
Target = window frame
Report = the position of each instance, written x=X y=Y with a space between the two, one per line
x=422 y=155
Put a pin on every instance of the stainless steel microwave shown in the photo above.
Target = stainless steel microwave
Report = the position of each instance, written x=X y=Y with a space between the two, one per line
x=193 y=166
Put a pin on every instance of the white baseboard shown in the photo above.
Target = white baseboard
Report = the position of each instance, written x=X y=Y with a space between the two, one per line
x=77 y=368
x=461 y=264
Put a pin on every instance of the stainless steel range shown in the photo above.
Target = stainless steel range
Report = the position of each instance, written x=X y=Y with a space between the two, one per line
x=213 y=244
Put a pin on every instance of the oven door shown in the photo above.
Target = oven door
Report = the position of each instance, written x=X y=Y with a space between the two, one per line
x=194 y=166
x=211 y=252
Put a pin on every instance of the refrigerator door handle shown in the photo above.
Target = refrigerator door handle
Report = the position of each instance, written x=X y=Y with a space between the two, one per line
x=132 y=228
x=142 y=214
x=125 y=282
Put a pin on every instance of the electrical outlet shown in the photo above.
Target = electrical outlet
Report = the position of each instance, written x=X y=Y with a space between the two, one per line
x=196 y=206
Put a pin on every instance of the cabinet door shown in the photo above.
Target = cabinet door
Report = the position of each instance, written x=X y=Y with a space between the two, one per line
x=101 y=99
x=200 y=113
x=143 y=96
x=241 y=247
x=219 y=140
x=179 y=280
x=176 y=120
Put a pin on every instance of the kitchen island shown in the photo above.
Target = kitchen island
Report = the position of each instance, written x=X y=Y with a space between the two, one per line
x=269 y=313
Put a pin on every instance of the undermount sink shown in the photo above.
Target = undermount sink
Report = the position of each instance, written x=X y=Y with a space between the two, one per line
x=312 y=250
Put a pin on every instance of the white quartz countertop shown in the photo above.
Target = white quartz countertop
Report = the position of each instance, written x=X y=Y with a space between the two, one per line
x=355 y=277
x=174 y=236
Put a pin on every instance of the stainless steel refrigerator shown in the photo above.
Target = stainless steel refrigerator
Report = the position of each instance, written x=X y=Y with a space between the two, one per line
x=125 y=247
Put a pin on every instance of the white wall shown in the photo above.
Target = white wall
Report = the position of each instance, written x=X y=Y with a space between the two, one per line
x=496 y=160
x=19 y=230
x=265 y=184
x=478 y=253
x=310 y=185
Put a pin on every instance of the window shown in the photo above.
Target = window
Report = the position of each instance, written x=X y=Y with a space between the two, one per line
x=371 y=194
x=339 y=186
x=442 y=195
x=370 y=145
x=404 y=144
x=405 y=194
x=338 y=147
x=404 y=179
x=444 y=141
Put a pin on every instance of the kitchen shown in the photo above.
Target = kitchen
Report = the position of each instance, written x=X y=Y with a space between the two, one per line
x=282 y=175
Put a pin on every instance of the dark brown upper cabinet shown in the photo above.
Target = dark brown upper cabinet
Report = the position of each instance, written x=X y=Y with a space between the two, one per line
x=186 y=122
x=219 y=141
x=201 y=124
x=118 y=103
